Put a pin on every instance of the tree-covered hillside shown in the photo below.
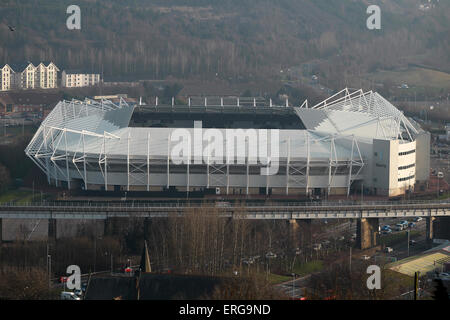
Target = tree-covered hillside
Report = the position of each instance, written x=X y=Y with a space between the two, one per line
x=230 y=38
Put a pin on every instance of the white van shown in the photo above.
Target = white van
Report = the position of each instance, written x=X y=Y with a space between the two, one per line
x=65 y=295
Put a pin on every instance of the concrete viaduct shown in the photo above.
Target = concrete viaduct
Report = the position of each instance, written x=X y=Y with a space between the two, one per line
x=437 y=214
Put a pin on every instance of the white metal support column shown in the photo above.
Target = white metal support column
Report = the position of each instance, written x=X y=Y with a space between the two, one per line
x=267 y=178
x=148 y=161
x=54 y=165
x=247 y=160
x=84 y=162
x=330 y=161
x=67 y=160
x=333 y=164
x=168 y=161
x=188 y=161
x=288 y=161
x=207 y=167
x=308 y=158
x=350 y=168
x=47 y=167
x=227 y=159
x=128 y=162
x=106 y=161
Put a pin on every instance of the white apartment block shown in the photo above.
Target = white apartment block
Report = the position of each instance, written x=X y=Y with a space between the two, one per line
x=46 y=77
x=30 y=76
x=5 y=78
x=76 y=79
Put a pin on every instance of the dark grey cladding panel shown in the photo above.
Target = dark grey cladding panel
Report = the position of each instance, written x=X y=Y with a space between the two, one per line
x=120 y=117
x=311 y=118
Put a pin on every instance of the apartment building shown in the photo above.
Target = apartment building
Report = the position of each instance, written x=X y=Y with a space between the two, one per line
x=78 y=78
x=6 y=73
x=43 y=75
x=46 y=75
x=24 y=76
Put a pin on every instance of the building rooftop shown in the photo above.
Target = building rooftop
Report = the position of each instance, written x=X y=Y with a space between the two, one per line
x=79 y=71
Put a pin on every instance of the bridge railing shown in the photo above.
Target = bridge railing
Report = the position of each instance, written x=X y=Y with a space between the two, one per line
x=218 y=205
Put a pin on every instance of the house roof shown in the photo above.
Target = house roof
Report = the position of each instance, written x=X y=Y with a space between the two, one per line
x=20 y=67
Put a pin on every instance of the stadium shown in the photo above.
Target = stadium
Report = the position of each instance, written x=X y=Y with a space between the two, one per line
x=351 y=141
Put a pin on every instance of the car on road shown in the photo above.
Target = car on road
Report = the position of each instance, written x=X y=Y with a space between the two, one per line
x=404 y=222
x=399 y=227
x=389 y=249
x=412 y=242
x=386 y=227
x=411 y=225
x=387 y=231
x=417 y=219
x=66 y=295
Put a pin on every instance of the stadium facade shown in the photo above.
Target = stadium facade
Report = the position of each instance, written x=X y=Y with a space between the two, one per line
x=350 y=141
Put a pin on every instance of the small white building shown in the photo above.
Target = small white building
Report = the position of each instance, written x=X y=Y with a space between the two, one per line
x=77 y=79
